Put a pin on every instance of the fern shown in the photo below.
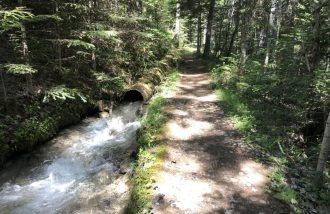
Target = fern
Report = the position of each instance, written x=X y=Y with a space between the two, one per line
x=102 y=34
x=108 y=82
x=43 y=18
x=13 y=18
x=75 y=6
x=19 y=69
x=63 y=93
x=78 y=43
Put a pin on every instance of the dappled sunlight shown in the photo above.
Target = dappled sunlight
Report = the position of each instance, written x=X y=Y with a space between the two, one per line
x=189 y=192
x=179 y=112
x=188 y=128
x=252 y=173
x=207 y=169
x=185 y=87
x=208 y=98
x=250 y=180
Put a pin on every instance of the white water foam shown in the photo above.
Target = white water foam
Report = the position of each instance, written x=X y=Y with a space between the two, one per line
x=58 y=180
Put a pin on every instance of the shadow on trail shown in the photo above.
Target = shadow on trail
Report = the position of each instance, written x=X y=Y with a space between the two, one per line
x=209 y=169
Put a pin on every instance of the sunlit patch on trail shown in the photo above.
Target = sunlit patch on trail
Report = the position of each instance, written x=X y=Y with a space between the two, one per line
x=179 y=112
x=252 y=173
x=189 y=192
x=188 y=129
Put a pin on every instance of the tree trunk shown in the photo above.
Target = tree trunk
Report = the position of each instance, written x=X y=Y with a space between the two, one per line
x=94 y=60
x=278 y=27
x=177 y=25
x=271 y=32
x=23 y=31
x=224 y=44
x=218 y=38
x=4 y=91
x=246 y=16
x=217 y=49
x=25 y=51
x=199 y=34
x=59 y=45
x=207 y=48
x=204 y=38
x=139 y=6
x=236 y=15
x=315 y=50
x=325 y=147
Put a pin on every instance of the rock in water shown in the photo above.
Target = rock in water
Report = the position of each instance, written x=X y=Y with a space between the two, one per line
x=104 y=114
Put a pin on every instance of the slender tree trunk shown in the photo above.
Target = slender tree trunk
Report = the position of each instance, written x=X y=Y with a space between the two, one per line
x=210 y=17
x=315 y=50
x=246 y=16
x=4 y=91
x=199 y=33
x=218 y=37
x=325 y=147
x=204 y=38
x=244 y=47
x=59 y=45
x=139 y=6
x=262 y=37
x=225 y=42
x=271 y=32
x=278 y=27
x=236 y=15
x=23 y=31
x=25 y=51
x=94 y=60
x=218 y=44
x=177 y=24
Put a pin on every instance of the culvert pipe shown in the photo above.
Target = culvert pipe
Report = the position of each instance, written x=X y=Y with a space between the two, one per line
x=139 y=92
x=144 y=88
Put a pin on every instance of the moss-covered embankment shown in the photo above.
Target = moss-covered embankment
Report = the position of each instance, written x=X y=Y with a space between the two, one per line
x=152 y=150
x=39 y=121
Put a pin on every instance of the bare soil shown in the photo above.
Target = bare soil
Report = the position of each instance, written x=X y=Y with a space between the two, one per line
x=208 y=168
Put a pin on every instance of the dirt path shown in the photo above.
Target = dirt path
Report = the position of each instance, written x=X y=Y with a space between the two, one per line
x=208 y=169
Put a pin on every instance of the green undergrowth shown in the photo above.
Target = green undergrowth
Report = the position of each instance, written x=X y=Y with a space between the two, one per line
x=152 y=150
x=270 y=122
x=170 y=82
x=291 y=181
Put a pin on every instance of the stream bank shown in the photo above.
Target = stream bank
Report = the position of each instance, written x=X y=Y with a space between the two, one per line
x=86 y=168
x=152 y=150
x=24 y=132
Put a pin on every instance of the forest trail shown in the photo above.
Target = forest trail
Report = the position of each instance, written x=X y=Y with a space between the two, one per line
x=208 y=169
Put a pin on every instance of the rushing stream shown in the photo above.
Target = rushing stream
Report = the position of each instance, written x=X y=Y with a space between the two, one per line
x=77 y=172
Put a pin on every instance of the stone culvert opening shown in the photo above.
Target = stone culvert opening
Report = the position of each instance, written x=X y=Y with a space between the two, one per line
x=133 y=96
